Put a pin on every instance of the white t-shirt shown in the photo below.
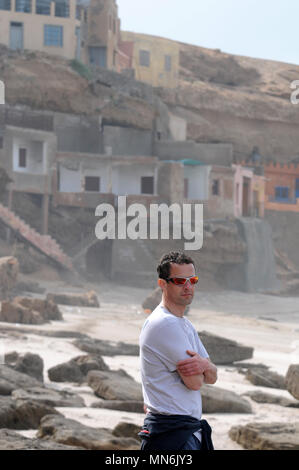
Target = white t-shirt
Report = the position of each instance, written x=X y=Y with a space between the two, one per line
x=164 y=340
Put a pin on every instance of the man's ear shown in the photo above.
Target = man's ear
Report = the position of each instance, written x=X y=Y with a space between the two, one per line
x=161 y=283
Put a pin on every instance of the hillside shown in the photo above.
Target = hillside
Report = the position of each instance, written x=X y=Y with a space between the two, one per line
x=224 y=98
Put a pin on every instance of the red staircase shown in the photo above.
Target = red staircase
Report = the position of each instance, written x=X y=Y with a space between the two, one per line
x=43 y=243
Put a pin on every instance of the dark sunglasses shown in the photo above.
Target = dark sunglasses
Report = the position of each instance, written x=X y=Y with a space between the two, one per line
x=181 y=281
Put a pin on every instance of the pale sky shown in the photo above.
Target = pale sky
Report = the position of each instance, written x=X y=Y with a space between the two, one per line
x=265 y=29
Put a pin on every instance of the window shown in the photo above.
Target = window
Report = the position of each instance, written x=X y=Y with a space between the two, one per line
x=62 y=8
x=144 y=58
x=167 y=63
x=22 y=157
x=23 y=5
x=147 y=185
x=215 y=187
x=5 y=5
x=282 y=192
x=53 y=35
x=43 y=7
x=92 y=183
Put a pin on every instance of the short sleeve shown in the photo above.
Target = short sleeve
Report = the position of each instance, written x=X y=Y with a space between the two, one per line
x=169 y=343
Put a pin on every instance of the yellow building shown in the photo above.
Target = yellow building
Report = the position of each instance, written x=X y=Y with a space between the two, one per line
x=155 y=60
x=43 y=25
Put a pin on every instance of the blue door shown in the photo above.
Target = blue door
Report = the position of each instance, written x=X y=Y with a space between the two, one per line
x=16 y=35
x=297 y=188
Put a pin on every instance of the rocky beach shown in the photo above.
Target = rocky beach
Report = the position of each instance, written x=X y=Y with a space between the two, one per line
x=79 y=387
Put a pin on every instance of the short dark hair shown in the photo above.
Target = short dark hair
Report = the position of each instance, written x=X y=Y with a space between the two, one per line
x=178 y=257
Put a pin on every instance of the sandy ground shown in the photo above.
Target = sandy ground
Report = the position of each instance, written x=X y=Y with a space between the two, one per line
x=268 y=323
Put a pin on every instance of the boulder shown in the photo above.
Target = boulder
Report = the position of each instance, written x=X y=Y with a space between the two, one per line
x=14 y=312
x=11 y=379
x=22 y=415
x=265 y=378
x=88 y=299
x=122 y=405
x=76 y=369
x=29 y=311
x=292 y=380
x=28 y=363
x=124 y=429
x=224 y=351
x=114 y=385
x=153 y=299
x=218 y=400
x=262 y=397
x=9 y=270
x=48 y=397
x=71 y=432
x=267 y=436
x=47 y=308
x=11 y=440
x=101 y=347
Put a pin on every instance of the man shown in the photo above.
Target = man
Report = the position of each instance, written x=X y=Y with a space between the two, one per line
x=174 y=365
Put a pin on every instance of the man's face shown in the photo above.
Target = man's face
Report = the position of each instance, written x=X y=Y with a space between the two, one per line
x=179 y=295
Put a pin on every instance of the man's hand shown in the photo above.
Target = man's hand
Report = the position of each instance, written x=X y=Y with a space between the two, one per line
x=198 y=365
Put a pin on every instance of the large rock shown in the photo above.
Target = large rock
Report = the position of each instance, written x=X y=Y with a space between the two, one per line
x=265 y=378
x=106 y=348
x=122 y=405
x=11 y=440
x=71 y=432
x=218 y=400
x=224 y=351
x=48 y=397
x=153 y=299
x=14 y=312
x=29 y=311
x=9 y=269
x=76 y=369
x=11 y=379
x=28 y=363
x=89 y=299
x=22 y=415
x=46 y=307
x=292 y=380
x=267 y=436
x=125 y=429
x=114 y=385
x=262 y=397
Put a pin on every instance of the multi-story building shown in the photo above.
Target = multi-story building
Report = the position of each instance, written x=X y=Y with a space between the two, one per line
x=100 y=32
x=45 y=25
x=155 y=60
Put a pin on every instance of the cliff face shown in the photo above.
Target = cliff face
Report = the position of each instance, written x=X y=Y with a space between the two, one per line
x=237 y=99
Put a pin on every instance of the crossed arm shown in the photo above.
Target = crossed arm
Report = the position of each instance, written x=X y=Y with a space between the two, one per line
x=196 y=370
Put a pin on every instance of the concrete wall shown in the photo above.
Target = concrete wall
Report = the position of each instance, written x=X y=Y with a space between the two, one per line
x=198 y=181
x=285 y=229
x=211 y=154
x=78 y=133
x=41 y=151
x=177 y=128
x=33 y=29
x=126 y=179
x=171 y=182
x=127 y=141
